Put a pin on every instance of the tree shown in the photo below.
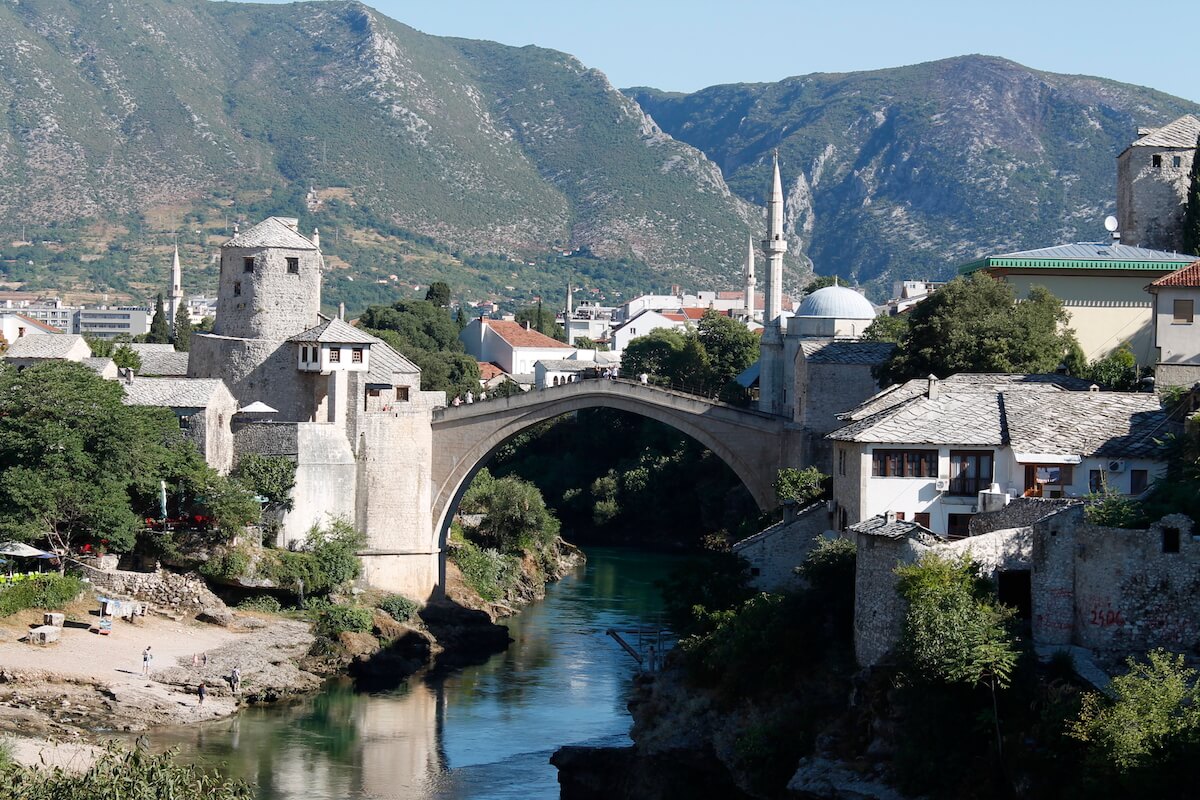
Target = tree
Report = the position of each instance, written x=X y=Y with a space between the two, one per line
x=460 y=319
x=586 y=343
x=1191 y=215
x=160 y=327
x=804 y=486
x=542 y=320
x=426 y=335
x=656 y=354
x=729 y=345
x=1117 y=371
x=515 y=516
x=126 y=357
x=183 y=329
x=887 y=328
x=819 y=282
x=438 y=294
x=973 y=324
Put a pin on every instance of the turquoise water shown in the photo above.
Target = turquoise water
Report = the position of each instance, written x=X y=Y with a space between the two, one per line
x=485 y=731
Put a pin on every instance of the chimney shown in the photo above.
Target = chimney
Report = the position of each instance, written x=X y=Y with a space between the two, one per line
x=889 y=516
x=342 y=311
x=935 y=388
x=316 y=238
x=527 y=325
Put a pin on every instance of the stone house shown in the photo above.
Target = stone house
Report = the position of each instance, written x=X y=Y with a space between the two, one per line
x=936 y=452
x=1110 y=590
x=774 y=553
x=204 y=407
x=1176 y=333
x=28 y=350
x=1152 y=183
x=513 y=347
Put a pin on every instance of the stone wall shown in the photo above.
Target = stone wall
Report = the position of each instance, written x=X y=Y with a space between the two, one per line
x=256 y=369
x=273 y=304
x=187 y=593
x=1166 y=375
x=266 y=438
x=1150 y=200
x=326 y=477
x=878 y=609
x=822 y=392
x=774 y=554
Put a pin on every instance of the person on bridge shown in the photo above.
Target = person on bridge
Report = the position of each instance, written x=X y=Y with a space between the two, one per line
x=457 y=401
x=644 y=378
x=470 y=397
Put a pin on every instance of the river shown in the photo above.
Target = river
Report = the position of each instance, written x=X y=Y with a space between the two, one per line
x=484 y=731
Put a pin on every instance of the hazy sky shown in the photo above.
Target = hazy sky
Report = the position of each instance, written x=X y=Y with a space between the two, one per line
x=684 y=46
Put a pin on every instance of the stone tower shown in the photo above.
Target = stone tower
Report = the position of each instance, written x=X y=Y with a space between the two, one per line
x=749 y=276
x=772 y=386
x=175 y=301
x=269 y=290
x=1152 y=183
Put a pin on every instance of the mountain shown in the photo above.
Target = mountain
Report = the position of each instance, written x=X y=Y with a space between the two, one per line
x=908 y=172
x=127 y=123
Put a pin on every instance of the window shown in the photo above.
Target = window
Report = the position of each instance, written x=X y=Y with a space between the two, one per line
x=1183 y=312
x=921 y=518
x=1039 y=476
x=1176 y=161
x=904 y=463
x=970 y=471
x=248 y=264
x=356 y=355
x=237 y=288
x=1156 y=161
x=293 y=265
x=901 y=516
x=841 y=461
x=1139 y=479
x=1170 y=540
x=1095 y=481
x=958 y=526
x=402 y=393
x=335 y=355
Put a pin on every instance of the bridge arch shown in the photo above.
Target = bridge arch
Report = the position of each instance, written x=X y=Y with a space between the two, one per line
x=752 y=444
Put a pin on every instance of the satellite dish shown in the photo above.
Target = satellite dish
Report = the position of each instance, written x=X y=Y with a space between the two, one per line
x=1110 y=224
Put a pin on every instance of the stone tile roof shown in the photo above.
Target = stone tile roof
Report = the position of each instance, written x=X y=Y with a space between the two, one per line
x=271 y=232
x=892 y=529
x=1189 y=277
x=517 y=336
x=172 y=392
x=142 y=348
x=1180 y=133
x=163 y=364
x=900 y=392
x=97 y=365
x=827 y=351
x=48 y=345
x=386 y=363
x=335 y=331
x=1030 y=418
x=568 y=365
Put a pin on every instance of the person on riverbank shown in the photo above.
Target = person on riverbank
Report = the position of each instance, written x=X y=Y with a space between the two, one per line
x=235 y=680
x=201 y=691
x=147 y=658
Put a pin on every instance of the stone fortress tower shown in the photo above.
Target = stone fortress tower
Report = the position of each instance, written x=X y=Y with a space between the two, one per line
x=1152 y=184
x=772 y=387
x=343 y=405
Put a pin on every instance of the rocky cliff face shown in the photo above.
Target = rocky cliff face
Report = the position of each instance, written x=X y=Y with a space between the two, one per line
x=909 y=172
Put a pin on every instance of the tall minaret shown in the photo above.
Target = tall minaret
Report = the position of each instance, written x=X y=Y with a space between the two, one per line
x=176 y=294
x=774 y=246
x=749 y=275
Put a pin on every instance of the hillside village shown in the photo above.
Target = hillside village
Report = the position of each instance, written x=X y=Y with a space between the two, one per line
x=1017 y=472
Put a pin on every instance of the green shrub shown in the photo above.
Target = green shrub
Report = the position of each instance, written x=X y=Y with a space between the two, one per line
x=120 y=776
x=43 y=591
x=1115 y=510
x=489 y=572
x=264 y=603
x=271 y=477
x=328 y=560
x=336 y=619
x=226 y=565
x=804 y=486
x=399 y=607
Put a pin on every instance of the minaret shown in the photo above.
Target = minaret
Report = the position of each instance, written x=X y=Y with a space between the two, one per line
x=774 y=246
x=570 y=299
x=176 y=294
x=773 y=372
x=749 y=275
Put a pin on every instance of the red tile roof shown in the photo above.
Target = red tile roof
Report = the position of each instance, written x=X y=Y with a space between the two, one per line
x=674 y=316
x=37 y=323
x=488 y=370
x=517 y=336
x=1188 y=276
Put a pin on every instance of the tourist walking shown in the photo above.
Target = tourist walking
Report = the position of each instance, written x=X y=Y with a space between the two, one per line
x=201 y=691
x=147 y=657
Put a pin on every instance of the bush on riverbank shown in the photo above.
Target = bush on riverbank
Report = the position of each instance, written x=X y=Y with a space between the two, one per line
x=342 y=619
x=44 y=591
x=490 y=573
x=398 y=607
x=121 y=776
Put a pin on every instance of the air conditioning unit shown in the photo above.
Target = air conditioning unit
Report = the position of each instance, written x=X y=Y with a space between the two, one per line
x=942 y=484
x=1116 y=466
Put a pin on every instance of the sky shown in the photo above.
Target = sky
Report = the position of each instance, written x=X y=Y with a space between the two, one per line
x=681 y=45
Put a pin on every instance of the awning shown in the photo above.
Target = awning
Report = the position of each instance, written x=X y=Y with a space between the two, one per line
x=1046 y=458
x=749 y=376
x=20 y=549
x=257 y=407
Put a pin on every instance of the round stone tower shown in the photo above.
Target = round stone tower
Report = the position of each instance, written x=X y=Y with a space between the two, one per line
x=270 y=283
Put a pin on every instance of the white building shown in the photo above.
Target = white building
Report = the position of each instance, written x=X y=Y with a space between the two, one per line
x=937 y=452
x=513 y=347
x=107 y=322
x=16 y=325
x=1176 y=333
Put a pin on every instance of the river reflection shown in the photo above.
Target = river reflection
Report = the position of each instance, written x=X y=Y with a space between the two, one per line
x=481 y=732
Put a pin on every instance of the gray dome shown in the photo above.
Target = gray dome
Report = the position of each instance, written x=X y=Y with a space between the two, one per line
x=838 y=302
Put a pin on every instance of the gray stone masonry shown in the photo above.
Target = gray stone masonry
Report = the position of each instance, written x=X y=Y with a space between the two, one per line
x=185 y=593
x=774 y=553
x=267 y=302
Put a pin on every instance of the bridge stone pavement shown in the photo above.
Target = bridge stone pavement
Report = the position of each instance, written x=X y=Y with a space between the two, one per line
x=754 y=445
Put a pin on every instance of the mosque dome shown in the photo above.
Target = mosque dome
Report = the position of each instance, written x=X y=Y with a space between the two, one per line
x=837 y=302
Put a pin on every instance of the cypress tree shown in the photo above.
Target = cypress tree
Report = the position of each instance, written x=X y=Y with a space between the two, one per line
x=160 y=329
x=183 y=329
x=1191 y=216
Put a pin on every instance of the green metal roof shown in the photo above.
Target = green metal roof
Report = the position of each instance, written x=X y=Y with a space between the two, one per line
x=1084 y=256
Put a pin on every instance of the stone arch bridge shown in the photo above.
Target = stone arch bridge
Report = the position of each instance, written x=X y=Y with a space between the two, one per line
x=754 y=445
